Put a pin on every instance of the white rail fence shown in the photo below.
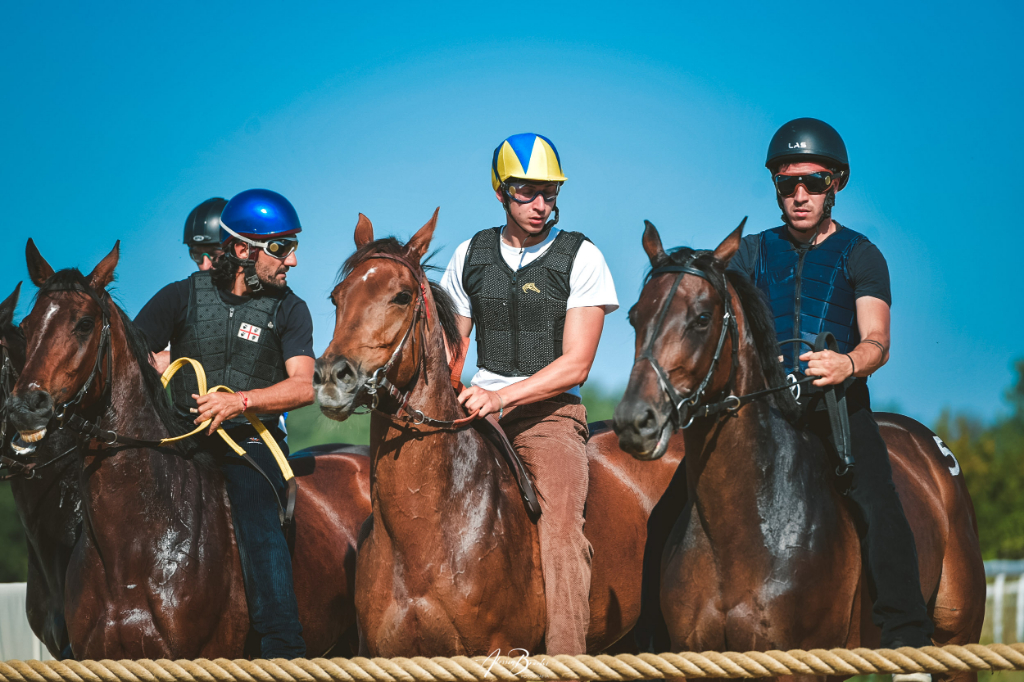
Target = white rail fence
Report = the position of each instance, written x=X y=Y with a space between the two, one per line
x=1005 y=591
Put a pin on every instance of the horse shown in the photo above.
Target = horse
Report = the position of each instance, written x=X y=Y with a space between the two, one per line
x=766 y=555
x=44 y=484
x=449 y=560
x=157 y=572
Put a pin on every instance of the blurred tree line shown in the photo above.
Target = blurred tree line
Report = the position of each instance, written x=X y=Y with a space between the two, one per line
x=989 y=456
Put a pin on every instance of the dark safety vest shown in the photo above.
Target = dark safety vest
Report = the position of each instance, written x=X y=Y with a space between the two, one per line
x=809 y=290
x=237 y=345
x=519 y=315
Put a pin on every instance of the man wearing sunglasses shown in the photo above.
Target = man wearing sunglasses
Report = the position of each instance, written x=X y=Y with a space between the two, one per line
x=254 y=335
x=821 y=276
x=538 y=296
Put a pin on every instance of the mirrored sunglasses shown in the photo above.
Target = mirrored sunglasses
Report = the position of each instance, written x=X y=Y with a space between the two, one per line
x=816 y=183
x=280 y=248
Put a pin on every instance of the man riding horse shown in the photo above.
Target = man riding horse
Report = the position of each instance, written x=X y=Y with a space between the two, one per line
x=254 y=335
x=820 y=276
x=538 y=297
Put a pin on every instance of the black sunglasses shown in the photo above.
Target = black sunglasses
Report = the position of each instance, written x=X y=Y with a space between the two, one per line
x=198 y=256
x=816 y=183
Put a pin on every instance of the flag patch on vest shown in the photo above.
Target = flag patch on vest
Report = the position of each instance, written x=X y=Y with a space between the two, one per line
x=249 y=332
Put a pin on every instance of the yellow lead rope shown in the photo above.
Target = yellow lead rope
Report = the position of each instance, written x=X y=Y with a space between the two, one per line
x=262 y=430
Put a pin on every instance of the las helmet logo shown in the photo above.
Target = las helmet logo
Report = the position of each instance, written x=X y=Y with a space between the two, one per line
x=798 y=145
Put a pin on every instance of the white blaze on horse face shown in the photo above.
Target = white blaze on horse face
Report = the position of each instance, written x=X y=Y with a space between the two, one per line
x=369 y=272
x=51 y=310
x=955 y=469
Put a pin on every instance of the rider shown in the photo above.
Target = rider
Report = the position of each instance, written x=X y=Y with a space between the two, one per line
x=202 y=232
x=821 y=276
x=254 y=335
x=538 y=296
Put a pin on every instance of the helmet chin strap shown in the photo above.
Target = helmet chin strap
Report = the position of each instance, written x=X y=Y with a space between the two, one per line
x=248 y=266
x=826 y=214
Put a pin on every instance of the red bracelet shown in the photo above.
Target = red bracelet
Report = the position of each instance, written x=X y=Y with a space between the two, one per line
x=245 y=401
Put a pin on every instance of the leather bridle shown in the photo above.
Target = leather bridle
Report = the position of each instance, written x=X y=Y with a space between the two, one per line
x=379 y=381
x=685 y=409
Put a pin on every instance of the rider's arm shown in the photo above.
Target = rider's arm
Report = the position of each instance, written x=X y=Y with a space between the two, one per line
x=294 y=392
x=580 y=337
x=873 y=322
x=160 y=360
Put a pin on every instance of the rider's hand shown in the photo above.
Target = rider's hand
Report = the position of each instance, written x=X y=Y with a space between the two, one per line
x=475 y=398
x=219 y=407
x=831 y=367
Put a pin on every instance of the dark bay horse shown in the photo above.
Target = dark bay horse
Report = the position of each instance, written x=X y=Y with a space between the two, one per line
x=449 y=561
x=44 y=484
x=765 y=555
x=157 y=573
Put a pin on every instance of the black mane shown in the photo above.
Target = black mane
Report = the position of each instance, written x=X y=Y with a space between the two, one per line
x=442 y=301
x=71 y=279
x=756 y=311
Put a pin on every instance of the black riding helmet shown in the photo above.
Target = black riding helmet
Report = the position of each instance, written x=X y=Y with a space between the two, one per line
x=808 y=139
x=202 y=226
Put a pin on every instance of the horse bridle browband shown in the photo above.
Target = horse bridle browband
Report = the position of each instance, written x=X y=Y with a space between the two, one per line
x=379 y=381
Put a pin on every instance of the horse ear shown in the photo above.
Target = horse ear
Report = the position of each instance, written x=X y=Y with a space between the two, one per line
x=38 y=269
x=652 y=243
x=8 y=306
x=420 y=242
x=103 y=273
x=364 y=231
x=730 y=245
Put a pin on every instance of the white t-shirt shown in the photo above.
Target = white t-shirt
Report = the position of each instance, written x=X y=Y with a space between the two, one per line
x=590 y=284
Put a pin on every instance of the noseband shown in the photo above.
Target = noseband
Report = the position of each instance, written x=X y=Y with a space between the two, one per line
x=690 y=405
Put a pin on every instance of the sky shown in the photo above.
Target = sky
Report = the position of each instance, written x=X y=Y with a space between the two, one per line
x=117 y=118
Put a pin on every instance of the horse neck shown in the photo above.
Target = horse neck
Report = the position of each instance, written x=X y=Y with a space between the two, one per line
x=427 y=474
x=749 y=473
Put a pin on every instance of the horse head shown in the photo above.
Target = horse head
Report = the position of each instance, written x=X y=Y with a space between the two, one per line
x=383 y=305
x=680 y=357
x=12 y=340
x=67 y=340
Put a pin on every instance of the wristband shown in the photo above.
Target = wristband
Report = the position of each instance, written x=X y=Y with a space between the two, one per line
x=852 y=365
x=245 y=401
x=501 y=405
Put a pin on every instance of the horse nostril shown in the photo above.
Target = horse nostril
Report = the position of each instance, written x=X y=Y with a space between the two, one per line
x=646 y=421
x=38 y=401
x=343 y=373
x=317 y=377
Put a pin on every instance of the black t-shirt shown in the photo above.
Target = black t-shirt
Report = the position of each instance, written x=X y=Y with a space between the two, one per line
x=869 y=273
x=163 y=319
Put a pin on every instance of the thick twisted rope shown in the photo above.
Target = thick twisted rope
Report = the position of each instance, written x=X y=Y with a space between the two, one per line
x=508 y=669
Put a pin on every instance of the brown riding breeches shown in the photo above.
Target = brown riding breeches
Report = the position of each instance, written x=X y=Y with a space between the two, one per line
x=550 y=437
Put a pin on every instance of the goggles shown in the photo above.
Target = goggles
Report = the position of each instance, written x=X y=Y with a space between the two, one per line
x=525 y=192
x=279 y=247
x=815 y=183
x=198 y=256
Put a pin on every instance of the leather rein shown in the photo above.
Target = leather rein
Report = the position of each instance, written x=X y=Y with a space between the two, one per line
x=379 y=381
x=688 y=408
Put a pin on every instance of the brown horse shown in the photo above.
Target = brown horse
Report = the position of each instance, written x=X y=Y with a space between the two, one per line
x=766 y=555
x=157 y=573
x=449 y=562
x=44 y=483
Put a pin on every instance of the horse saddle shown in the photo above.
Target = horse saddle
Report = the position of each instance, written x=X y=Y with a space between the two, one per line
x=489 y=429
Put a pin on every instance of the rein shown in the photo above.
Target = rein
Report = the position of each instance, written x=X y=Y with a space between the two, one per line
x=691 y=405
x=379 y=381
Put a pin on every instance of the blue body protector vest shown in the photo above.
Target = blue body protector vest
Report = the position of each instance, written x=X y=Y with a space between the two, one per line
x=809 y=290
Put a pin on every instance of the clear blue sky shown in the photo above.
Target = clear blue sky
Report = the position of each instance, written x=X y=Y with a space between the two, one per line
x=117 y=119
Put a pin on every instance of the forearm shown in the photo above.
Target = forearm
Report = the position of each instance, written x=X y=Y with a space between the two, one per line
x=561 y=375
x=290 y=394
x=160 y=360
x=870 y=355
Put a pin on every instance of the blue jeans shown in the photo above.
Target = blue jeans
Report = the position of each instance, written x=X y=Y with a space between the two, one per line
x=266 y=562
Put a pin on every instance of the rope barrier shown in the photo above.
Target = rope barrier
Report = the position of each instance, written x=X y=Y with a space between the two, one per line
x=619 y=668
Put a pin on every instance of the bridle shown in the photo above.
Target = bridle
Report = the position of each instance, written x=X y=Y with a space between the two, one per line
x=690 y=405
x=686 y=409
x=379 y=381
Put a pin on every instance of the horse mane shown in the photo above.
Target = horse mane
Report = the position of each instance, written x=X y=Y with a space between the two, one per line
x=756 y=311
x=71 y=279
x=442 y=300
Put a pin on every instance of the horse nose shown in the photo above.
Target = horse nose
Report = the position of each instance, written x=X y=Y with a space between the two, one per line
x=636 y=424
x=336 y=371
x=31 y=411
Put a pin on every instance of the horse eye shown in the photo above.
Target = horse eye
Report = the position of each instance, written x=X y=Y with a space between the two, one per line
x=703 y=320
x=85 y=325
x=402 y=298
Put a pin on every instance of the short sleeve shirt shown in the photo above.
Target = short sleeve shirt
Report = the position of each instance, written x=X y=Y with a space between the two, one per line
x=590 y=284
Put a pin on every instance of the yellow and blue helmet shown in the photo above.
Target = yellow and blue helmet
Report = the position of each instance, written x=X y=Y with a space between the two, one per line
x=526 y=156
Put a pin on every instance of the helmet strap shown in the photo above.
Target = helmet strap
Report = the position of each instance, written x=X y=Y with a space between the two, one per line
x=248 y=266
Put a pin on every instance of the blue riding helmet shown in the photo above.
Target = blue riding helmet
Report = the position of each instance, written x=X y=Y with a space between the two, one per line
x=255 y=215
